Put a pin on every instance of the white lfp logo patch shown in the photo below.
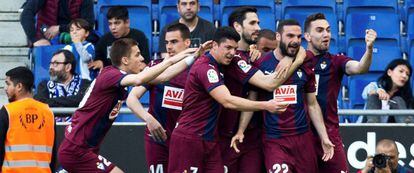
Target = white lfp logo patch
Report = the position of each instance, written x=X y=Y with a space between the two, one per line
x=244 y=66
x=173 y=98
x=212 y=76
x=286 y=93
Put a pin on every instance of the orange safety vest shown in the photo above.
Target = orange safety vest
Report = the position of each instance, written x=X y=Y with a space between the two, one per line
x=30 y=137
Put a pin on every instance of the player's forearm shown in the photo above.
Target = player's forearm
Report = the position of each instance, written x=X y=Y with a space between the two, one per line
x=136 y=107
x=315 y=114
x=365 y=61
x=146 y=75
x=173 y=70
x=241 y=104
x=245 y=118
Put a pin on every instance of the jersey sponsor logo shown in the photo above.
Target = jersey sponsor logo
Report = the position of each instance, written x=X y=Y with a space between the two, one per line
x=323 y=65
x=115 y=111
x=244 y=66
x=173 y=98
x=287 y=93
x=316 y=83
x=212 y=76
x=299 y=73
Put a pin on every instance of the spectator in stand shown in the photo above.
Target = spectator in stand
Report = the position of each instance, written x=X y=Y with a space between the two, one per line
x=53 y=16
x=391 y=91
x=119 y=26
x=65 y=88
x=83 y=50
x=200 y=30
x=266 y=41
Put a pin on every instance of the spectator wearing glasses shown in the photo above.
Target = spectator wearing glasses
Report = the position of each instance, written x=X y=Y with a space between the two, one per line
x=65 y=88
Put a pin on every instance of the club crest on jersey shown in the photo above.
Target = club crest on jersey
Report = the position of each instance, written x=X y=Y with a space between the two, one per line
x=323 y=65
x=244 y=66
x=299 y=73
x=212 y=76
x=173 y=98
x=286 y=93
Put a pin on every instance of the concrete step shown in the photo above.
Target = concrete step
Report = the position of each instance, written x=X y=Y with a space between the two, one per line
x=3 y=96
x=14 y=51
x=12 y=34
x=6 y=66
x=12 y=17
x=11 y=5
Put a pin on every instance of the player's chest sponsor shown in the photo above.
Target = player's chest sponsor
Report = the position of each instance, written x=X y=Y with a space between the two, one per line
x=173 y=98
x=286 y=93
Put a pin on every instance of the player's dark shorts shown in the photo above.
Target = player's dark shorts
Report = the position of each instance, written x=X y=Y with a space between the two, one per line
x=74 y=158
x=194 y=155
x=338 y=162
x=250 y=158
x=290 y=154
x=156 y=155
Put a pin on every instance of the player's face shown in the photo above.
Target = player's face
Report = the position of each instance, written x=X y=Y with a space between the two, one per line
x=76 y=31
x=10 y=89
x=290 y=40
x=399 y=75
x=250 y=28
x=135 y=61
x=59 y=69
x=320 y=35
x=266 y=45
x=188 y=9
x=389 y=151
x=175 y=43
x=118 y=27
x=226 y=51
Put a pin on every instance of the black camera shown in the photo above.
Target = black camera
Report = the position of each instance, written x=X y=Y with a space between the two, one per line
x=380 y=160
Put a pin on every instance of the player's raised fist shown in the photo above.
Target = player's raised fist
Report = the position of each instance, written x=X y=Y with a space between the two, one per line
x=370 y=36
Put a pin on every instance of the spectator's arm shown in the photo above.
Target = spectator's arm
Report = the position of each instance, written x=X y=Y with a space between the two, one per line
x=86 y=53
x=86 y=12
x=70 y=101
x=144 y=48
x=101 y=51
x=42 y=93
x=369 y=89
x=161 y=44
x=27 y=18
x=4 y=125
x=54 y=151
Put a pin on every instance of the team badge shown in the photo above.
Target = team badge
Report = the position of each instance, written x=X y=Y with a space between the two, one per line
x=299 y=73
x=323 y=65
x=244 y=66
x=212 y=76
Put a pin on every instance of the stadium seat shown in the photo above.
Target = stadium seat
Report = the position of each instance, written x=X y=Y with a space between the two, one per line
x=383 y=18
x=140 y=15
x=356 y=85
x=299 y=10
x=265 y=11
x=41 y=57
x=168 y=11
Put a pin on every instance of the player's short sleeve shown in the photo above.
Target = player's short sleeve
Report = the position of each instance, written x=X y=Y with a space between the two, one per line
x=112 y=79
x=209 y=77
x=310 y=85
x=240 y=70
x=340 y=62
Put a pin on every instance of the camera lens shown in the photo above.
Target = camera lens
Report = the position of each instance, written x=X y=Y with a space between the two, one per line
x=380 y=161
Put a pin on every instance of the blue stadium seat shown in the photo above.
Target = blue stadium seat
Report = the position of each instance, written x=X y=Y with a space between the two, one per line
x=41 y=57
x=168 y=11
x=383 y=18
x=410 y=22
x=356 y=86
x=299 y=10
x=265 y=11
x=140 y=15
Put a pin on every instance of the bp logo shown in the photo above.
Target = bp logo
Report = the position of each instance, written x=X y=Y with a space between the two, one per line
x=244 y=66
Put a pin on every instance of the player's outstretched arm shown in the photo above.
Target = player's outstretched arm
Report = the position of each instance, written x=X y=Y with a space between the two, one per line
x=315 y=114
x=285 y=69
x=222 y=95
x=133 y=103
x=245 y=118
x=191 y=55
x=354 y=67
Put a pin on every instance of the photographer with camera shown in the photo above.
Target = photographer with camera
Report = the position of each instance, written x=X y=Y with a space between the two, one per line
x=385 y=159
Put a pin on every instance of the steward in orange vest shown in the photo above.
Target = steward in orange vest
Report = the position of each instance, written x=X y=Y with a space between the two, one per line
x=27 y=127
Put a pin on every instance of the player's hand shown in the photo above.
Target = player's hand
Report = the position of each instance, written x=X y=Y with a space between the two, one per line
x=238 y=138
x=274 y=106
x=382 y=94
x=97 y=64
x=370 y=36
x=203 y=48
x=52 y=31
x=301 y=56
x=156 y=130
x=283 y=67
x=328 y=149
x=254 y=53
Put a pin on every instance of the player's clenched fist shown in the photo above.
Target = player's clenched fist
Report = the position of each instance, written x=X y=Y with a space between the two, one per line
x=370 y=36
